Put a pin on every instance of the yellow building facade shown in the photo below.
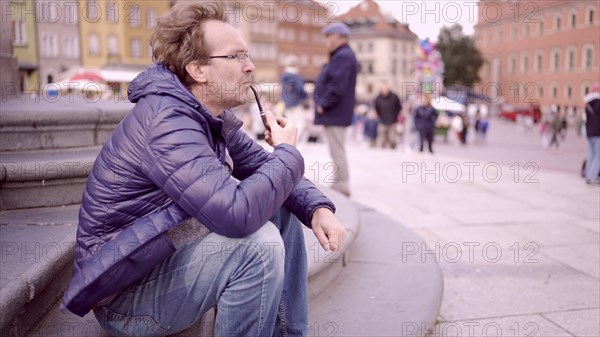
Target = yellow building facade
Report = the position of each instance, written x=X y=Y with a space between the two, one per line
x=23 y=16
x=117 y=33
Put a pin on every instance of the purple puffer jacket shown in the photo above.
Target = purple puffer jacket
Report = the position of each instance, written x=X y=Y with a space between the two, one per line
x=163 y=164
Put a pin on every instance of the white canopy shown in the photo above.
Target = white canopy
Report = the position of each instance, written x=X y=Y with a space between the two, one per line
x=118 y=76
x=446 y=104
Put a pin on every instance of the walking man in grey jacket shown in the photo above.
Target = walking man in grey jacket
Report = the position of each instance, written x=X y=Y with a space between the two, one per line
x=165 y=167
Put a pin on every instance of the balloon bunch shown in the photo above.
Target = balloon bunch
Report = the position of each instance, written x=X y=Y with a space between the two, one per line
x=429 y=66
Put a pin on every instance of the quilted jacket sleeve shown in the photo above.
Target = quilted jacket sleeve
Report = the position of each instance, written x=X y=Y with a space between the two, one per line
x=182 y=163
x=247 y=157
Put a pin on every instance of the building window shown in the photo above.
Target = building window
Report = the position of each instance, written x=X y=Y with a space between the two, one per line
x=569 y=91
x=20 y=33
x=525 y=63
x=71 y=47
x=151 y=18
x=591 y=16
x=540 y=62
x=556 y=60
x=541 y=27
x=113 y=45
x=112 y=11
x=512 y=63
x=588 y=54
x=49 y=47
x=150 y=50
x=370 y=47
x=585 y=88
x=573 y=20
x=526 y=30
x=557 y=23
x=571 y=60
x=94 y=44
x=136 y=47
x=554 y=91
x=541 y=91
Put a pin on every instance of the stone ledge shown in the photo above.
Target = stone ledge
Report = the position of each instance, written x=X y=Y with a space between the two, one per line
x=44 y=178
x=34 y=126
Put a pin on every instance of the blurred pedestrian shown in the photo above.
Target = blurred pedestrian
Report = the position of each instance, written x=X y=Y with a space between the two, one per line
x=335 y=99
x=411 y=135
x=371 y=128
x=563 y=125
x=293 y=95
x=465 y=129
x=481 y=127
x=556 y=126
x=592 y=128
x=388 y=108
x=425 y=122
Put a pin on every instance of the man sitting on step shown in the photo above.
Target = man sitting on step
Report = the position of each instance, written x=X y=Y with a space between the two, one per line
x=165 y=169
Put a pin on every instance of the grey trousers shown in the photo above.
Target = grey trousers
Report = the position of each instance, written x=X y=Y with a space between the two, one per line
x=388 y=135
x=336 y=138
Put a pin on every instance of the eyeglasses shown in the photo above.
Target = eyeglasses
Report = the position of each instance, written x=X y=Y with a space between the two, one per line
x=241 y=56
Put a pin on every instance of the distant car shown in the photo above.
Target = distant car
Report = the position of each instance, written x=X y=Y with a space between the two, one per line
x=512 y=112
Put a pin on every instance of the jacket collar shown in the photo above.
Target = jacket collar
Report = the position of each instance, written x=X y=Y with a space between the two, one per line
x=345 y=45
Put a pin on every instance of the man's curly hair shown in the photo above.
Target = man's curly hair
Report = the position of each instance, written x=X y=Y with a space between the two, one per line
x=179 y=36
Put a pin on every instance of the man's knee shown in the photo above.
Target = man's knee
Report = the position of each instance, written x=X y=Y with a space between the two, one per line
x=268 y=245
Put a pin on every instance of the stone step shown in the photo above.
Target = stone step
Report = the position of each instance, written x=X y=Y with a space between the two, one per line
x=37 y=256
x=29 y=299
x=44 y=178
x=70 y=122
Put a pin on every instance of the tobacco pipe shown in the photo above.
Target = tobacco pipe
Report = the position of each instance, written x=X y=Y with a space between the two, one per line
x=263 y=116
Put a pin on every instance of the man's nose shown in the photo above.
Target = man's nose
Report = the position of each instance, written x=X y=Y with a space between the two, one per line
x=248 y=67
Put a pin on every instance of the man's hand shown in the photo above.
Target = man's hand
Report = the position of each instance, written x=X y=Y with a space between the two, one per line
x=320 y=110
x=281 y=131
x=328 y=229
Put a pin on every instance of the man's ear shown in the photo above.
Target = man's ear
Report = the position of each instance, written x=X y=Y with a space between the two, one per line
x=196 y=71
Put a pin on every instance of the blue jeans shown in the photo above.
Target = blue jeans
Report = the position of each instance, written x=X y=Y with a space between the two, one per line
x=258 y=283
x=592 y=166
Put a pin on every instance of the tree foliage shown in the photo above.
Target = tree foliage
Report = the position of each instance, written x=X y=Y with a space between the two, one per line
x=462 y=60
